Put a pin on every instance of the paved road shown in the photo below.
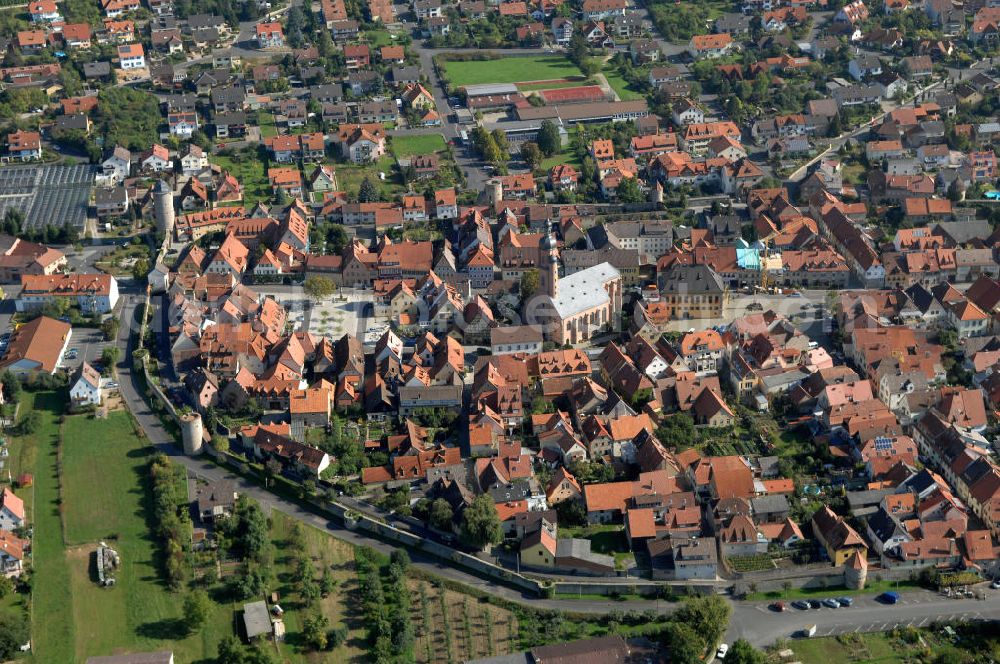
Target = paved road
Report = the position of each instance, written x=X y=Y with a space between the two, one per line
x=761 y=626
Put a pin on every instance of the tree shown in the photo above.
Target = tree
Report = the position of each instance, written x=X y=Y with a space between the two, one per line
x=314 y=630
x=231 y=651
x=549 y=141
x=128 y=117
x=13 y=221
x=529 y=283
x=110 y=329
x=628 y=191
x=500 y=138
x=572 y=513
x=531 y=154
x=367 y=192
x=589 y=67
x=685 y=643
x=441 y=515
x=251 y=536
x=709 y=615
x=197 y=606
x=11 y=385
x=14 y=633
x=481 y=524
x=140 y=270
x=31 y=422
x=220 y=444
x=677 y=432
x=319 y=287
x=744 y=653
x=109 y=357
x=327 y=584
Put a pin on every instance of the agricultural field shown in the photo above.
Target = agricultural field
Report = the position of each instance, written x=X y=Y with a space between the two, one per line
x=339 y=606
x=900 y=646
x=510 y=70
x=454 y=627
x=408 y=146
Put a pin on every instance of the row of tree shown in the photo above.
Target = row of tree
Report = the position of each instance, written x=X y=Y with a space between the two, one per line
x=386 y=605
x=173 y=522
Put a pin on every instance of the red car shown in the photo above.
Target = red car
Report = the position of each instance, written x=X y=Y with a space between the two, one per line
x=778 y=606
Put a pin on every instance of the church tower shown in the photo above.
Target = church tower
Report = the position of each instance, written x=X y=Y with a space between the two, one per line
x=548 y=276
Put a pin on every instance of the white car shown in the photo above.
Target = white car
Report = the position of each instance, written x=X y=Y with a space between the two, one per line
x=722 y=651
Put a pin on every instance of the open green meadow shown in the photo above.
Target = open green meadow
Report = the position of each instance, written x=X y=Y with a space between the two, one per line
x=408 y=146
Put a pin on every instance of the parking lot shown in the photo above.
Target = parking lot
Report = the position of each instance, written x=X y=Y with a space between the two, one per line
x=88 y=343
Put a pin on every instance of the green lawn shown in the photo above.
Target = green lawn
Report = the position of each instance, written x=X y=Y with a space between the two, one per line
x=620 y=86
x=350 y=176
x=510 y=70
x=561 y=158
x=139 y=612
x=379 y=38
x=406 y=146
x=52 y=623
x=250 y=173
x=606 y=539
x=266 y=122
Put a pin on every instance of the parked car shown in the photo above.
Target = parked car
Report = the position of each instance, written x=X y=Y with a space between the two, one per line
x=722 y=651
x=846 y=601
x=889 y=597
x=778 y=606
x=815 y=604
x=995 y=585
x=831 y=603
x=801 y=604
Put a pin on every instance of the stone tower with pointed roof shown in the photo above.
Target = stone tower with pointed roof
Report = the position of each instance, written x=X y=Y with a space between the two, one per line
x=856 y=571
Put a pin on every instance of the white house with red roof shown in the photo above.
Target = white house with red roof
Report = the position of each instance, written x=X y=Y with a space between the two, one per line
x=11 y=510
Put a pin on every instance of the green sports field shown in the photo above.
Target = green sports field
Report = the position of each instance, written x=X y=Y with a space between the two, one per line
x=510 y=70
